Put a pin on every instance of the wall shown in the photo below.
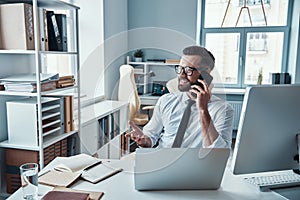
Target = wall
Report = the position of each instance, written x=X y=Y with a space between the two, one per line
x=115 y=43
x=91 y=48
x=161 y=27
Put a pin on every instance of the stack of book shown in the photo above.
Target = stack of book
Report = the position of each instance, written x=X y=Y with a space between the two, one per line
x=28 y=82
x=65 y=81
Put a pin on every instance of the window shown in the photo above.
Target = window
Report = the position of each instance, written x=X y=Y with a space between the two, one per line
x=247 y=37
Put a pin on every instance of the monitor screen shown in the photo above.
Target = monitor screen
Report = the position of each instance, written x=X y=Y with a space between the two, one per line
x=266 y=137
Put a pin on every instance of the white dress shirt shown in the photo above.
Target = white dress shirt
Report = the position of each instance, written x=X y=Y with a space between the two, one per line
x=167 y=116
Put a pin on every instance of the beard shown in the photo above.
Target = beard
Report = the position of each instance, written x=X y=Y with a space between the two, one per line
x=184 y=84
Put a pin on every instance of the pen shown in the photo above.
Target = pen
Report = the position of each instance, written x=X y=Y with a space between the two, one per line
x=93 y=165
x=108 y=175
x=43 y=173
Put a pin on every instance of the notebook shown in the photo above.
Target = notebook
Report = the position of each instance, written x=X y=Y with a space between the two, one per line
x=180 y=168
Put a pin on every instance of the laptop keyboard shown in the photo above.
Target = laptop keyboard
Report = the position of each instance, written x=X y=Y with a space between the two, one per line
x=285 y=179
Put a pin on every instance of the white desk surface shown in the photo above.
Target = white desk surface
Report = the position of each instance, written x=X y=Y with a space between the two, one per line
x=121 y=186
x=100 y=109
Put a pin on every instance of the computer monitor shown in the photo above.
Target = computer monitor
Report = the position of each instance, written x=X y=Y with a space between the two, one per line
x=266 y=137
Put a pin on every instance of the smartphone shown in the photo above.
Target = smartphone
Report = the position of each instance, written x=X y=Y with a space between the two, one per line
x=206 y=77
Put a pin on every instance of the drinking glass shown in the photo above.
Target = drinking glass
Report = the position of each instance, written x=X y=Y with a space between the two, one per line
x=29 y=180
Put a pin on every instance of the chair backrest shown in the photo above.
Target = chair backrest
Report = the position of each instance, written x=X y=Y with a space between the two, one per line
x=127 y=89
x=172 y=85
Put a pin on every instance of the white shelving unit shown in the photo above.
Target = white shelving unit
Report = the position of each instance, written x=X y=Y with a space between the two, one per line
x=37 y=61
x=142 y=77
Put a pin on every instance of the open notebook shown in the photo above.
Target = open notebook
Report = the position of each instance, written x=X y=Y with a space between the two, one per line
x=70 y=169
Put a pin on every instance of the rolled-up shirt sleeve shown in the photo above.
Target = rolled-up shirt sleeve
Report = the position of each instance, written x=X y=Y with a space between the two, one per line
x=154 y=127
x=223 y=122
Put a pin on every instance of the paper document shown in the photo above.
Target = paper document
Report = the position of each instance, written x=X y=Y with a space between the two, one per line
x=31 y=78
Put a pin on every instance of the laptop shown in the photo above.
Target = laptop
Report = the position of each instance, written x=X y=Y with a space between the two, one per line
x=179 y=168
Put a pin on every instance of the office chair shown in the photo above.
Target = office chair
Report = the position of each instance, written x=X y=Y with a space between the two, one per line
x=128 y=92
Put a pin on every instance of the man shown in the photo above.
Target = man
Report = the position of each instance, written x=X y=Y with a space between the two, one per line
x=211 y=119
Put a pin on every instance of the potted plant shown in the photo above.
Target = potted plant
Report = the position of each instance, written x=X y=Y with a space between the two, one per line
x=138 y=55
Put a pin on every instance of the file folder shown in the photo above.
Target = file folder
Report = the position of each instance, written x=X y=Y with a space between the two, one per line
x=43 y=29
x=57 y=31
x=16 y=27
x=68 y=113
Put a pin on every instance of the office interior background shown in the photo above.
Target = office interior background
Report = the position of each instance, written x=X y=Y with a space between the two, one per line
x=111 y=30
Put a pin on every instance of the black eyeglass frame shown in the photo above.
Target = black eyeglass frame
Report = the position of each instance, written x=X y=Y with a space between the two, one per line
x=187 y=70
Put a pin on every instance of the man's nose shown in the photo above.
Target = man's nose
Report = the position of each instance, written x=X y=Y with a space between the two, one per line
x=182 y=73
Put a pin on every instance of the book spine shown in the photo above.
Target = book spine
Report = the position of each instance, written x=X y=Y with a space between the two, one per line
x=61 y=21
x=28 y=11
x=43 y=30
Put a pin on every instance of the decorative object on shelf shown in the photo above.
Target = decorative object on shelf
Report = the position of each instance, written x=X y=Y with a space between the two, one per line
x=138 y=55
x=260 y=77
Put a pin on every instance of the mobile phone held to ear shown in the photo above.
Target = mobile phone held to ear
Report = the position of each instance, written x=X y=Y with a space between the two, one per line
x=203 y=76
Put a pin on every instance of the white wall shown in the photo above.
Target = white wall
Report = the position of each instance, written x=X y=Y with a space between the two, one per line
x=91 y=44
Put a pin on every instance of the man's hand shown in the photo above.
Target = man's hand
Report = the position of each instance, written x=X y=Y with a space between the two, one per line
x=203 y=95
x=138 y=136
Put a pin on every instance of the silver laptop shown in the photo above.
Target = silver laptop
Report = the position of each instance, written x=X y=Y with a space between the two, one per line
x=180 y=168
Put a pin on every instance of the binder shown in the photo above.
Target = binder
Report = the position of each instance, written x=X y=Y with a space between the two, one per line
x=57 y=31
x=61 y=20
x=43 y=30
x=68 y=113
x=16 y=26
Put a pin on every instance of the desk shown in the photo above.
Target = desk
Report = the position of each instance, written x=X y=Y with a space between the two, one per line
x=148 y=99
x=121 y=186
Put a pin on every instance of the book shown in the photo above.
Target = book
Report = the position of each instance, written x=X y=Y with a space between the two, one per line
x=67 y=77
x=72 y=168
x=68 y=171
x=16 y=26
x=57 y=31
x=61 y=20
x=30 y=87
x=31 y=78
x=99 y=173
x=172 y=61
x=68 y=114
x=65 y=83
x=92 y=195
x=63 y=195
x=28 y=83
x=43 y=30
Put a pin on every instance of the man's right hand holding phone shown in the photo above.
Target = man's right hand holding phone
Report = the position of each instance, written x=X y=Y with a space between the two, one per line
x=200 y=91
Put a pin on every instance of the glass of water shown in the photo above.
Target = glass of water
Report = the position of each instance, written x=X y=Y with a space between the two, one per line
x=29 y=180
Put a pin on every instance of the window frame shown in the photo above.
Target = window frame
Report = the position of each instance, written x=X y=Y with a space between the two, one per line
x=243 y=41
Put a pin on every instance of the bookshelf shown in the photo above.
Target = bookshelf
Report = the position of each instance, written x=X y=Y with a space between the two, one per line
x=39 y=117
x=104 y=124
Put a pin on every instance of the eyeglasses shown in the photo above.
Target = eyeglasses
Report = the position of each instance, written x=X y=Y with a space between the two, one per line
x=187 y=70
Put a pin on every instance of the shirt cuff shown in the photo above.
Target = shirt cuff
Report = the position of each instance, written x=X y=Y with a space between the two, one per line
x=219 y=143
